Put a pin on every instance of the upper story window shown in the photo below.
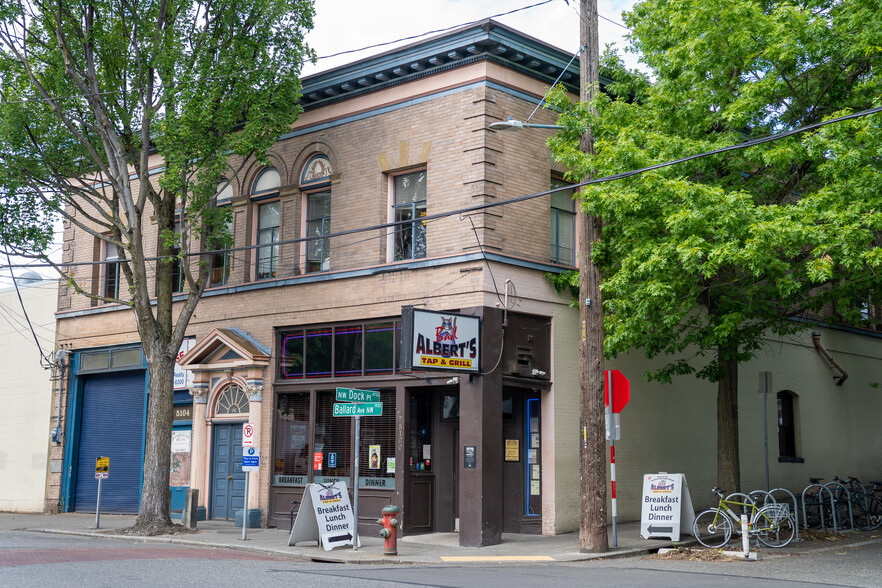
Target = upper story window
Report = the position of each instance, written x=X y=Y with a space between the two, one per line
x=266 y=187
x=110 y=287
x=409 y=204
x=318 y=224
x=177 y=270
x=563 y=224
x=315 y=183
x=268 y=221
x=221 y=262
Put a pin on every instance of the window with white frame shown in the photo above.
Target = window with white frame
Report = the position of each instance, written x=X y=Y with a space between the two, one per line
x=409 y=207
x=266 y=187
x=110 y=287
x=221 y=262
x=268 y=220
x=563 y=224
x=318 y=224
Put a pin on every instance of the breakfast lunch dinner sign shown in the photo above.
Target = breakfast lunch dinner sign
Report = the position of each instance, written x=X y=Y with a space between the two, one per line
x=440 y=340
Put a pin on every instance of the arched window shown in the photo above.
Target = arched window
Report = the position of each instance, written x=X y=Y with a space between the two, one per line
x=315 y=183
x=268 y=223
x=232 y=401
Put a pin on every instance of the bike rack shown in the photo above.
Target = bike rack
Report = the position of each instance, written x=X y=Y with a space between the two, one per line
x=848 y=501
x=795 y=507
x=821 y=488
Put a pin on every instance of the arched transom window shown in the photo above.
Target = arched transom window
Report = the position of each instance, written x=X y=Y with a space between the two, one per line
x=232 y=401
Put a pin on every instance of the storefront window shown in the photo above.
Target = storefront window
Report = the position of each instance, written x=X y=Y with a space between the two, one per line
x=292 y=459
x=318 y=353
x=347 y=351
x=377 y=465
x=331 y=457
x=379 y=349
x=339 y=351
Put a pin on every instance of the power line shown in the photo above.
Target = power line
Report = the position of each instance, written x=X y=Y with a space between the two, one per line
x=480 y=207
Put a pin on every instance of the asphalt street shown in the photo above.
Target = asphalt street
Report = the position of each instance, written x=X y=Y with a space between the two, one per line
x=41 y=560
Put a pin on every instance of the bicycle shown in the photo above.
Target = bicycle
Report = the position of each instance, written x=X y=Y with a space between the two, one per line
x=866 y=508
x=771 y=524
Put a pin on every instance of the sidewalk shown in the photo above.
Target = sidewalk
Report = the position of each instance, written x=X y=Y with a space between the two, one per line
x=435 y=548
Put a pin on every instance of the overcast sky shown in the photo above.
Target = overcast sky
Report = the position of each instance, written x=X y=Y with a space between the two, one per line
x=345 y=25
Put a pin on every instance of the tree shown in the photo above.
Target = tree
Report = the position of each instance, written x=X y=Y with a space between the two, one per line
x=700 y=260
x=97 y=93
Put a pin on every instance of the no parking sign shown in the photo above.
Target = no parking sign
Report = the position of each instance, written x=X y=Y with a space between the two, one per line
x=248 y=435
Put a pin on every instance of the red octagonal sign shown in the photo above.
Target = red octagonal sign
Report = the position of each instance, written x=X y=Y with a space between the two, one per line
x=621 y=390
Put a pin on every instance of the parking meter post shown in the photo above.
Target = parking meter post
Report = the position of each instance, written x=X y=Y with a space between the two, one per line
x=98 y=506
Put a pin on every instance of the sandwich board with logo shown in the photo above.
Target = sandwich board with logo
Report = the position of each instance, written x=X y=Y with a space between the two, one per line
x=666 y=507
x=325 y=516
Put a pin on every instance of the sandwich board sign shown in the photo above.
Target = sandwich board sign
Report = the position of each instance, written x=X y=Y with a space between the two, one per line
x=667 y=507
x=325 y=516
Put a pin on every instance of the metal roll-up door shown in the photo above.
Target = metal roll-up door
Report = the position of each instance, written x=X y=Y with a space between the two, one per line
x=112 y=425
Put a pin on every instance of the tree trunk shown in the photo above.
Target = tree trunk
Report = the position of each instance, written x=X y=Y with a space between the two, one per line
x=154 y=514
x=728 y=460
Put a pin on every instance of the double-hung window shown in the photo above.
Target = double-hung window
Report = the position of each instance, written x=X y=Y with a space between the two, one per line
x=409 y=207
x=111 y=271
x=221 y=262
x=563 y=224
x=318 y=224
x=269 y=213
x=268 y=240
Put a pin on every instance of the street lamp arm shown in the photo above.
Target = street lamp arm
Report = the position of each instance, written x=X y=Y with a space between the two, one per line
x=514 y=125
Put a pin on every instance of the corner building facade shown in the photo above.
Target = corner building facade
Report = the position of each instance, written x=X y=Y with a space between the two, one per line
x=371 y=203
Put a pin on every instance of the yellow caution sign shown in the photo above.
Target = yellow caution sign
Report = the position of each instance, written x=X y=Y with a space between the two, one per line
x=102 y=468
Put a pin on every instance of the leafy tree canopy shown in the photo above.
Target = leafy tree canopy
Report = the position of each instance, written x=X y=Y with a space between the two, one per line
x=704 y=257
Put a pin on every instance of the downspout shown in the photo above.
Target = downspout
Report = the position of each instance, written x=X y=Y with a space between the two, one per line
x=816 y=339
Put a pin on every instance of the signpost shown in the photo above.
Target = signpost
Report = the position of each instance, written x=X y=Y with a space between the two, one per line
x=616 y=395
x=102 y=472
x=250 y=463
x=361 y=403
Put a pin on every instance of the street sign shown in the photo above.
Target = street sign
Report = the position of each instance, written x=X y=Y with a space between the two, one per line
x=248 y=435
x=353 y=395
x=250 y=459
x=102 y=468
x=621 y=390
x=366 y=409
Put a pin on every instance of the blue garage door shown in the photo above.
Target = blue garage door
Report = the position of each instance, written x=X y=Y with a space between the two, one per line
x=112 y=426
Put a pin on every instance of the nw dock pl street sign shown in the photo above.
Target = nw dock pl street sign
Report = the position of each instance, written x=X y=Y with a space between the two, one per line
x=353 y=395
x=366 y=409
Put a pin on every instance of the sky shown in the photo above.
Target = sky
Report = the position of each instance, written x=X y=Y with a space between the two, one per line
x=346 y=25
x=342 y=25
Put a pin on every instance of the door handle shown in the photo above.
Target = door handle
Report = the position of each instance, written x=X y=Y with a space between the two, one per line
x=229 y=477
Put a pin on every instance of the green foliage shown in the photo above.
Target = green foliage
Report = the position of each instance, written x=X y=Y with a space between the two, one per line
x=706 y=256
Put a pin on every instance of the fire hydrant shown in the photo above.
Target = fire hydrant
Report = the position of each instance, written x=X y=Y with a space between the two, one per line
x=389 y=532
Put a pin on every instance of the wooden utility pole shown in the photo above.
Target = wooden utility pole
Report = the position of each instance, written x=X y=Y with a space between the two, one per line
x=592 y=454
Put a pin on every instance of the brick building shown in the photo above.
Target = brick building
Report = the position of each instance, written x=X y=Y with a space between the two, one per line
x=316 y=303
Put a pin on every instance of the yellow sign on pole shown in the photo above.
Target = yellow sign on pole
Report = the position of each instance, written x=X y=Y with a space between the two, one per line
x=102 y=468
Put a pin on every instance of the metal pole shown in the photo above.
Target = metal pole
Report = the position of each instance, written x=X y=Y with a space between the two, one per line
x=98 y=507
x=765 y=385
x=612 y=454
x=355 y=489
x=245 y=509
